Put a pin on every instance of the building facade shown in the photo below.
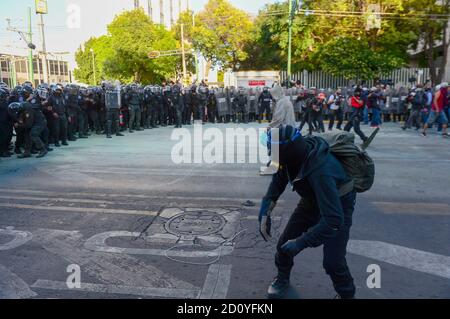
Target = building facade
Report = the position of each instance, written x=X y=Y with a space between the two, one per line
x=14 y=70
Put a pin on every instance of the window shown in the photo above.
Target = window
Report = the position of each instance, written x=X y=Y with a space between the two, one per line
x=4 y=66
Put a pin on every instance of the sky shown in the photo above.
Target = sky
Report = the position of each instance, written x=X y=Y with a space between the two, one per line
x=65 y=29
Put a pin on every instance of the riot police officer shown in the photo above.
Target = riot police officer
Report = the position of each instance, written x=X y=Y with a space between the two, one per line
x=241 y=102
x=134 y=102
x=177 y=105
x=59 y=124
x=202 y=99
x=6 y=127
x=264 y=102
x=113 y=102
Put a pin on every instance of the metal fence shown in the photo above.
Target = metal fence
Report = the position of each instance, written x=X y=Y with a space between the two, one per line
x=320 y=79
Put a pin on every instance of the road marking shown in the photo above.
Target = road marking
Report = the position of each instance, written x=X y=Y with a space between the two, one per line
x=413 y=208
x=59 y=199
x=140 y=196
x=121 y=290
x=217 y=282
x=80 y=210
x=413 y=259
x=110 y=269
x=13 y=287
x=98 y=243
x=20 y=238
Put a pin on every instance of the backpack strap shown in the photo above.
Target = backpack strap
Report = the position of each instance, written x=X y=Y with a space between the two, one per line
x=346 y=188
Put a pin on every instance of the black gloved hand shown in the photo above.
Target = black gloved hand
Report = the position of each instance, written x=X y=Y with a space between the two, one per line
x=265 y=219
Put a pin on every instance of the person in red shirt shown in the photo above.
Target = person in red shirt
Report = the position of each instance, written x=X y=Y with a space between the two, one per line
x=437 y=110
x=357 y=114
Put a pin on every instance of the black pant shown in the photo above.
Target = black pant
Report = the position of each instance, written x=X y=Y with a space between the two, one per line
x=112 y=121
x=95 y=119
x=5 y=133
x=135 y=117
x=306 y=216
x=355 y=123
x=414 y=119
x=265 y=110
x=336 y=114
x=37 y=136
x=308 y=118
x=59 y=128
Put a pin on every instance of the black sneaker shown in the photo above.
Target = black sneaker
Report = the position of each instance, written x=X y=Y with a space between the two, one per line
x=278 y=288
x=119 y=134
x=65 y=143
x=424 y=134
x=108 y=136
x=339 y=297
x=57 y=145
x=24 y=155
x=42 y=153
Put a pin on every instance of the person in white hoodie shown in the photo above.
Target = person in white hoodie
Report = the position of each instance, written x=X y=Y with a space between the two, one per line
x=284 y=110
x=283 y=115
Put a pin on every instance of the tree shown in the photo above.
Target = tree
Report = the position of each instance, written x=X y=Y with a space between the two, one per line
x=354 y=58
x=102 y=51
x=432 y=34
x=221 y=32
x=123 y=53
x=317 y=35
x=133 y=36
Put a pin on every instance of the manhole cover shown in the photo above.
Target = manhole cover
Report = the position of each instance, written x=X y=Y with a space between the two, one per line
x=199 y=223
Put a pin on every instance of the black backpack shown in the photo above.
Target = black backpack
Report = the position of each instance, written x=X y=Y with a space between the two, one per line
x=355 y=161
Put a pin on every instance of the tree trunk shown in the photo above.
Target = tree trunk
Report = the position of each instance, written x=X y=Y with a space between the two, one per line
x=429 y=49
x=445 y=64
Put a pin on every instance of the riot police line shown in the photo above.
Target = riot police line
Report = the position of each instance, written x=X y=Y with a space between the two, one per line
x=58 y=114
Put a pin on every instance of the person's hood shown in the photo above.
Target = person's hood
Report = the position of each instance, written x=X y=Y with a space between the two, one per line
x=277 y=92
x=305 y=157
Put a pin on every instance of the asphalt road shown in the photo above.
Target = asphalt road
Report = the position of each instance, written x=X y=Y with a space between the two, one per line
x=139 y=226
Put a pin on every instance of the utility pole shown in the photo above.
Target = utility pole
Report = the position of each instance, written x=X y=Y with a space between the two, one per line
x=150 y=9
x=44 y=50
x=197 y=69
x=30 y=39
x=136 y=4
x=183 y=55
x=291 y=18
x=93 y=66
x=171 y=14
x=294 y=6
x=161 y=12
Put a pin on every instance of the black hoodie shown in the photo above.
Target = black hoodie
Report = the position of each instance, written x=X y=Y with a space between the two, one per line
x=316 y=175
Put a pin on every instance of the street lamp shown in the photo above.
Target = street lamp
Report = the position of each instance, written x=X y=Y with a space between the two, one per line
x=93 y=66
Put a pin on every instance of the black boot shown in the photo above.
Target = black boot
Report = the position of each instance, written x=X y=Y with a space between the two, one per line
x=42 y=153
x=24 y=155
x=278 y=288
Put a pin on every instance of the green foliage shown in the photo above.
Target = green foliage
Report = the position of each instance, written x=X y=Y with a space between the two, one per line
x=221 y=33
x=354 y=58
x=338 y=43
x=123 y=53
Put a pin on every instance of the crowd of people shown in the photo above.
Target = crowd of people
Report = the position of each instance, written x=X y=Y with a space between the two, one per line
x=54 y=115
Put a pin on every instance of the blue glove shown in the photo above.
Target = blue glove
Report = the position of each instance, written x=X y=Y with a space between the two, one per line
x=265 y=219
x=293 y=247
